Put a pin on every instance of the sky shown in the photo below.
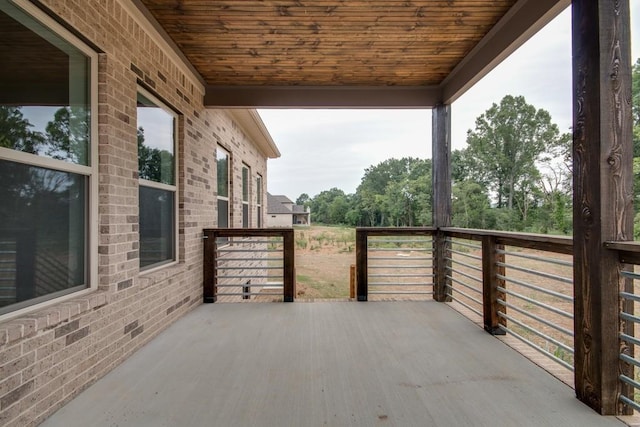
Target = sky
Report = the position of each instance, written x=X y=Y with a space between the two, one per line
x=322 y=149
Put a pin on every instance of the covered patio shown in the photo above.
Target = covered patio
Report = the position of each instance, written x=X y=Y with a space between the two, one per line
x=327 y=363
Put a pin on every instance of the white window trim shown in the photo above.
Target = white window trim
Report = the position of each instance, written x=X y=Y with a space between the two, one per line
x=247 y=202
x=259 y=196
x=161 y=186
x=226 y=198
x=91 y=171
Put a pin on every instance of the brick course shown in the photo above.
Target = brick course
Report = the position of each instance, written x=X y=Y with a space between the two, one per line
x=51 y=354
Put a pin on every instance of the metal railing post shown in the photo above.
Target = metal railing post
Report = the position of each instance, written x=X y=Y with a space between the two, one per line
x=209 y=259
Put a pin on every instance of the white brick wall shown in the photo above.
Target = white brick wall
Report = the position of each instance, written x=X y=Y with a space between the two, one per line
x=51 y=354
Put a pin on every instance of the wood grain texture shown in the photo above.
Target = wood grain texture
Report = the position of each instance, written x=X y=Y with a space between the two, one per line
x=603 y=208
x=441 y=178
x=326 y=42
x=490 y=284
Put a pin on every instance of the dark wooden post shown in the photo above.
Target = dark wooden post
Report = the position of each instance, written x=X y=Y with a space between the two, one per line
x=441 y=177
x=490 y=283
x=362 y=279
x=289 y=266
x=602 y=192
x=209 y=289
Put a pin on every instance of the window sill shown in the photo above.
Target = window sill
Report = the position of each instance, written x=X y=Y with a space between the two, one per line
x=20 y=325
x=160 y=274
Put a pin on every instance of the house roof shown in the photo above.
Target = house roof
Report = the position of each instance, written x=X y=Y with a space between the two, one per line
x=418 y=53
x=278 y=204
x=297 y=209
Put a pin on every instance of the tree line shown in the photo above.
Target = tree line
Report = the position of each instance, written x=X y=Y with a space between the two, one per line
x=514 y=174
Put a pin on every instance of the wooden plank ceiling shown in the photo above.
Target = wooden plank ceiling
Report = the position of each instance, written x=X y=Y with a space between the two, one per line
x=328 y=43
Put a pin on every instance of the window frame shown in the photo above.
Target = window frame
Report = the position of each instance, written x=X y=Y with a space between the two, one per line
x=259 y=196
x=246 y=192
x=161 y=186
x=228 y=197
x=90 y=171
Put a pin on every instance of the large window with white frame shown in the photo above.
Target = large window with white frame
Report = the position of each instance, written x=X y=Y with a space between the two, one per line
x=259 y=200
x=245 y=196
x=222 y=165
x=48 y=81
x=157 y=175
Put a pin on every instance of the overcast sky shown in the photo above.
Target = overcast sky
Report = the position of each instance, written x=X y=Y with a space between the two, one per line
x=322 y=149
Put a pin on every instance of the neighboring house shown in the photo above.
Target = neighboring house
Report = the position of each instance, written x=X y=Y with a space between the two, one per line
x=282 y=212
x=111 y=166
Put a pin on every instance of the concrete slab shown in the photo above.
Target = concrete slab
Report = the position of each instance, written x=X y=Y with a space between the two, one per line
x=328 y=363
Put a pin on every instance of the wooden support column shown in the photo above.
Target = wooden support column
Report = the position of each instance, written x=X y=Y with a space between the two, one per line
x=362 y=278
x=441 y=178
x=602 y=199
x=209 y=288
x=289 y=265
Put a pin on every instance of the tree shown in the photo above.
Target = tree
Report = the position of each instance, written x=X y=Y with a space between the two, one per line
x=507 y=140
x=67 y=135
x=303 y=199
x=16 y=133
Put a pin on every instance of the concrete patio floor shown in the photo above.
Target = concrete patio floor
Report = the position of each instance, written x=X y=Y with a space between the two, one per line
x=327 y=363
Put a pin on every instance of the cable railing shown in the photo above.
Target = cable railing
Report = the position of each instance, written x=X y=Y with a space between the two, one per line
x=464 y=274
x=519 y=284
x=537 y=296
x=629 y=292
x=394 y=263
x=249 y=265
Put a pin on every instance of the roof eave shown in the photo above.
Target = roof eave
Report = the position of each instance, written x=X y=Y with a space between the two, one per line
x=250 y=121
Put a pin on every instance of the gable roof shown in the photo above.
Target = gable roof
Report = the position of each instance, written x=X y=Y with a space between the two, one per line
x=278 y=204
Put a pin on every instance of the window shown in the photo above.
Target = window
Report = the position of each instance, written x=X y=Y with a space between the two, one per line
x=222 y=162
x=157 y=189
x=259 y=199
x=47 y=196
x=245 y=196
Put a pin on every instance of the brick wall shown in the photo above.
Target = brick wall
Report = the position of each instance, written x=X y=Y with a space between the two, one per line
x=49 y=355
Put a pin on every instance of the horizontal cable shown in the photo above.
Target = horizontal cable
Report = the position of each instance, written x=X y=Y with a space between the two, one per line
x=400 y=293
x=370 y=249
x=370 y=240
x=241 y=295
x=250 y=285
x=629 y=339
x=537 y=258
x=630 y=274
x=630 y=360
x=535 y=288
x=466 y=285
x=473 y=267
x=469 y=245
x=630 y=381
x=630 y=317
x=225 y=259
x=425 y=284
x=249 y=277
x=467 y=306
x=248 y=268
x=536 y=318
x=468 y=276
x=398 y=275
x=536 y=302
x=629 y=402
x=458 y=291
x=226 y=251
x=255 y=242
x=406 y=258
x=536 y=332
x=538 y=348
x=629 y=296
x=476 y=257
x=536 y=273
x=400 y=266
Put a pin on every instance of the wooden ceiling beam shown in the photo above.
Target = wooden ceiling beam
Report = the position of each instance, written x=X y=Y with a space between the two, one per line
x=321 y=97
